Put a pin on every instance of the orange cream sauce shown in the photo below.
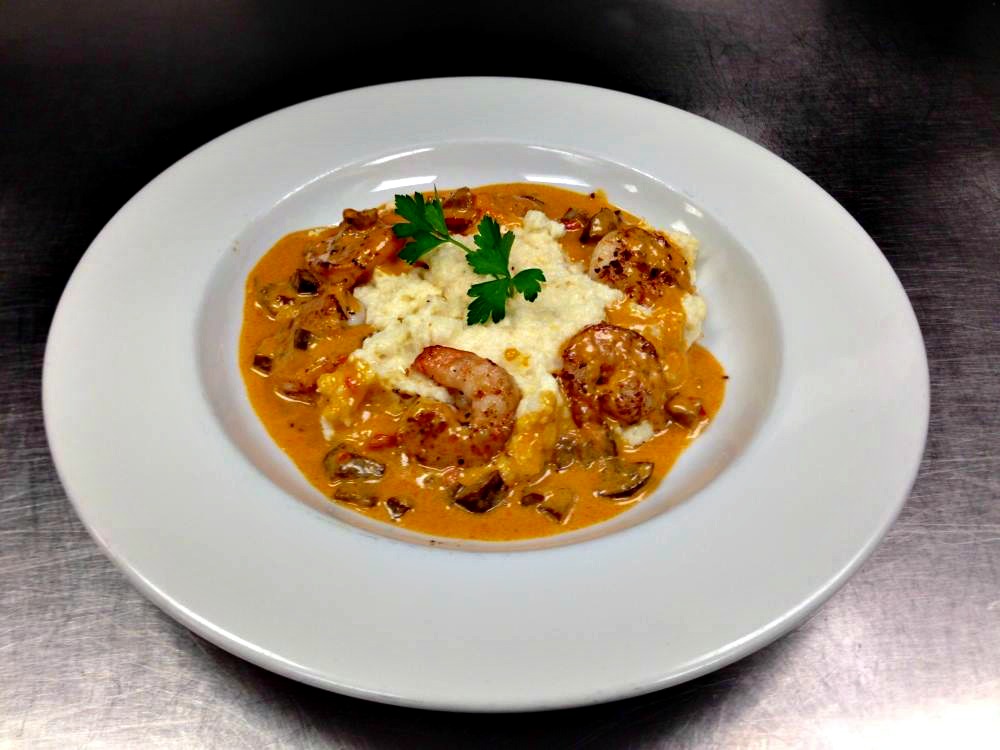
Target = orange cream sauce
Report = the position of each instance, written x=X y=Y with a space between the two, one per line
x=292 y=417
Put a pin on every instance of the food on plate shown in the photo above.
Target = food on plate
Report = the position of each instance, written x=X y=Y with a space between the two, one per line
x=501 y=362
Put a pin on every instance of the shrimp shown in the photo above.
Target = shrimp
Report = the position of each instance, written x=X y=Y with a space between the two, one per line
x=477 y=427
x=640 y=263
x=360 y=243
x=613 y=372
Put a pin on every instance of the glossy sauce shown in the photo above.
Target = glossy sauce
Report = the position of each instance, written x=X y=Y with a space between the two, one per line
x=292 y=415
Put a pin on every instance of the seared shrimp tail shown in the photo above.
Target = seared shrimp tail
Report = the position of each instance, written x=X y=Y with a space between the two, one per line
x=613 y=372
x=473 y=430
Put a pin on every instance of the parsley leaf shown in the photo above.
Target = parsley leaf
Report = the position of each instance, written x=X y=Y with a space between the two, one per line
x=421 y=244
x=489 y=300
x=425 y=228
x=529 y=282
x=493 y=253
x=492 y=258
x=424 y=216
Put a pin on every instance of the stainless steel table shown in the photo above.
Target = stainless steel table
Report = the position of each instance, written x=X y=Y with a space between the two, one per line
x=895 y=111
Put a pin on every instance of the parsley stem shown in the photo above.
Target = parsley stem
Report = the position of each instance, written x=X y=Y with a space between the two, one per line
x=455 y=242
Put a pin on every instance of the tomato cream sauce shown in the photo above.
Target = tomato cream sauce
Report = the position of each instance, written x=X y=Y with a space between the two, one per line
x=341 y=425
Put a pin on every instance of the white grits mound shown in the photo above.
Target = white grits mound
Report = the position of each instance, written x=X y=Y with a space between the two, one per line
x=427 y=306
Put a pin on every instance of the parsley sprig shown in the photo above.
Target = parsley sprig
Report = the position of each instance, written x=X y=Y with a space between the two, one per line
x=425 y=228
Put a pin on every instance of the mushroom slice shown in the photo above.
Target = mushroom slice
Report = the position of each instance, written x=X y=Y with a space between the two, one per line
x=397 y=508
x=270 y=351
x=533 y=198
x=273 y=299
x=483 y=496
x=341 y=463
x=585 y=446
x=302 y=339
x=563 y=453
x=355 y=496
x=305 y=283
x=559 y=505
x=687 y=410
x=574 y=220
x=297 y=391
x=621 y=479
x=263 y=363
x=360 y=219
x=460 y=210
x=603 y=221
x=529 y=499
x=346 y=305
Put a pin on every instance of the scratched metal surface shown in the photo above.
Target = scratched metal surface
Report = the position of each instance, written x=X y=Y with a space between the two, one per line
x=894 y=111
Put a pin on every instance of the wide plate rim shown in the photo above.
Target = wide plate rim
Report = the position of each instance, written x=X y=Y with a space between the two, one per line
x=569 y=697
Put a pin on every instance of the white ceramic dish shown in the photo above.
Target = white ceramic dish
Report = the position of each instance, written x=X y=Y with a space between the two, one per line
x=785 y=495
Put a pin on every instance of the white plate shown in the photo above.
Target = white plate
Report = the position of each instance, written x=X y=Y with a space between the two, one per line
x=786 y=494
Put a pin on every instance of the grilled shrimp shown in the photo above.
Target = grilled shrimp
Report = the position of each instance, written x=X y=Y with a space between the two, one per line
x=640 y=263
x=613 y=372
x=477 y=427
x=361 y=242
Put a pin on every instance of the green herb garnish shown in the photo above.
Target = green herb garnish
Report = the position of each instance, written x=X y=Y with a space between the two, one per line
x=492 y=259
x=425 y=229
